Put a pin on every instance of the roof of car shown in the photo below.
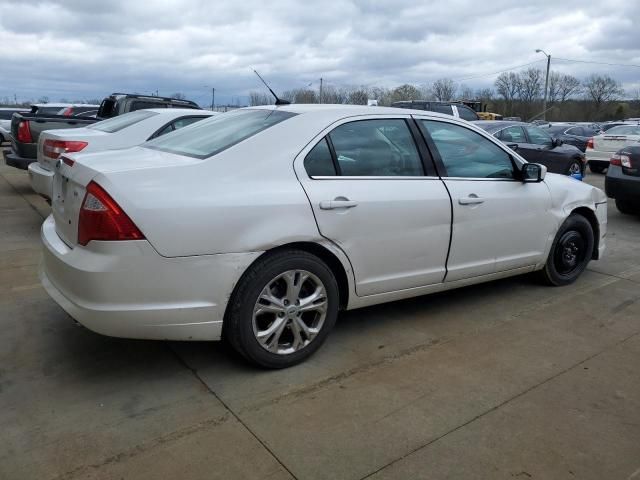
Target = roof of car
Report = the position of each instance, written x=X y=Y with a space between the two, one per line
x=186 y=111
x=62 y=105
x=303 y=108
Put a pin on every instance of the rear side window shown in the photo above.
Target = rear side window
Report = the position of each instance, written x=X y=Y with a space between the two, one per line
x=512 y=135
x=538 y=136
x=209 y=137
x=382 y=147
x=183 y=122
x=116 y=124
x=466 y=113
x=318 y=162
x=141 y=105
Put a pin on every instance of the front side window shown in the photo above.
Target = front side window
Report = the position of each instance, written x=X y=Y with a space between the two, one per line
x=467 y=154
x=512 y=135
x=125 y=120
x=538 y=137
x=383 y=148
x=213 y=135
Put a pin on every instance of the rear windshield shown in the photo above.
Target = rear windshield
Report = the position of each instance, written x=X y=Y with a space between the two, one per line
x=624 y=130
x=125 y=120
x=209 y=137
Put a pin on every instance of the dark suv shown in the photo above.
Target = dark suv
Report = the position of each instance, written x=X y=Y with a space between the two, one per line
x=450 y=108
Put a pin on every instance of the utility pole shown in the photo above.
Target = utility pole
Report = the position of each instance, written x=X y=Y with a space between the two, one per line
x=320 y=89
x=546 y=83
x=213 y=98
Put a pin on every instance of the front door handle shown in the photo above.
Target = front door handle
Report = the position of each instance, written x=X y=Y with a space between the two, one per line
x=337 y=203
x=472 y=199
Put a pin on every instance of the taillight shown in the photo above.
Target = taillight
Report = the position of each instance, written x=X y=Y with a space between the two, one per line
x=55 y=148
x=24 y=132
x=615 y=160
x=590 y=143
x=67 y=112
x=621 y=160
x=101 y=218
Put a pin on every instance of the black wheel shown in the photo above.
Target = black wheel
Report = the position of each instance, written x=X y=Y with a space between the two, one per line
x=574 y=167
x=570 y=252
x=595 y=168
x=626 y=207
x=282 y=309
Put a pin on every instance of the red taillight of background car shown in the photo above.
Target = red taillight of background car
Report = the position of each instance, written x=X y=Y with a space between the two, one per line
x=590 y=143
x=101 y=218
x=621 y=160
x=54 y=148
x=24 y=132
x=68 y=112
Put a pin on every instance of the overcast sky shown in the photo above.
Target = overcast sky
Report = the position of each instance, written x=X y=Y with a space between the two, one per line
x=87 y=49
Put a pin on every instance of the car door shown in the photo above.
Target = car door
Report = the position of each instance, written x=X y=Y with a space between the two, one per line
x=374 y=193
x=545 y=151
x=499 y=222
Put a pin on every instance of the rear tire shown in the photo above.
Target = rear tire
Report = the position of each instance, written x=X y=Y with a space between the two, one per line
x=626 y=208
x=570 y=253
x=282 y=309
x=596 y=169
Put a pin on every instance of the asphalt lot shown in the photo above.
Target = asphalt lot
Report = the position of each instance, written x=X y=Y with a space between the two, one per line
x=504 y=380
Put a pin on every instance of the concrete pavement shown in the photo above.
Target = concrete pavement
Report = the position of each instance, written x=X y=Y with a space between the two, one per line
x=504 y=380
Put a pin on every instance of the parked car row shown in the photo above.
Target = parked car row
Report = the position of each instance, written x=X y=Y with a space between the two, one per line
x=26 y=127
x=260 y=225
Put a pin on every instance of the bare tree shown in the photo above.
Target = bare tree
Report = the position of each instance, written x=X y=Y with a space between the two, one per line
x=562 y=87
x=508 y=84
x=444 y=89
x=530 y=85
x=485 y=94
x=178 y=96
x=259 y=98
x=466 y=92
x=601 y=89
x=357 y=96
x=43 y=99
x=404 y=92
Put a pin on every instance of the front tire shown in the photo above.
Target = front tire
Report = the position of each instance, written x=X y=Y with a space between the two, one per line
x=282 y=309
x=626 y=208
x=574 y=168
x=570 y=253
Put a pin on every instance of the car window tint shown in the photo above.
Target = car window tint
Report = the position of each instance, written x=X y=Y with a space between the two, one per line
x=624 y=130
x=512 y=135
x=468 y=154
x=376 y=148
x=125 y=120
x=183 y=122
x=141 y=105
x=440 y=108
x=466 y=113
x=215 y=134
x=538 y=136
x=318 y=162
x=165 y=130
x=579 y=131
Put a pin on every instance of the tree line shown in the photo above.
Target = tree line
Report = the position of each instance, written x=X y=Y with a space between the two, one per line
x=514 y=94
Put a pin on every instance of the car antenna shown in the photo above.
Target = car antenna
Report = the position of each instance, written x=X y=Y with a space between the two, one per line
x=279 y=101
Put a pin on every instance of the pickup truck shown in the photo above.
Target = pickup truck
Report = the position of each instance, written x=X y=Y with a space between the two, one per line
x=26 y=128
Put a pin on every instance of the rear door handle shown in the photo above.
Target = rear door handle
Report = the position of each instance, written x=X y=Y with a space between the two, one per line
x=471 y=200
x=337 y=203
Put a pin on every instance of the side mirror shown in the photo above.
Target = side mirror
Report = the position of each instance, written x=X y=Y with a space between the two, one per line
x=513 y=146
x=533 y=172
x=557 y=142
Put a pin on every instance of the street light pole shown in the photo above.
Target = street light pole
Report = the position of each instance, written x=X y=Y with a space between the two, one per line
x=546 y=83
x=213 y=98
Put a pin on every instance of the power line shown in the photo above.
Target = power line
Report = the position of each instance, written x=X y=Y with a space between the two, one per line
x=597 y=63
x=498 y=72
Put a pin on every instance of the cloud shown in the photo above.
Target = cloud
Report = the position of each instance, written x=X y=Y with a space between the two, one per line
x=76 y=49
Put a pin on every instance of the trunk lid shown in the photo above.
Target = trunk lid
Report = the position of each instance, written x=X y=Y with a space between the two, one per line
x=613 y=143
x=70 y=181
x=73 y=134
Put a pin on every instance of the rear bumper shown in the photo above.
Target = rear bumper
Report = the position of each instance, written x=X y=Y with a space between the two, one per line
x=14 y=160
x=598 y=157
x=41 y=179
x=620 y=186
x=126 y=289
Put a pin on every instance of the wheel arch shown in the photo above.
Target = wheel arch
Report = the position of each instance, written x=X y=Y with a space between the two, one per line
x=590 y=215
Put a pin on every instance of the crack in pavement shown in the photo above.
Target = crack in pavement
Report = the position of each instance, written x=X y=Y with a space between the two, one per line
x=500 y=405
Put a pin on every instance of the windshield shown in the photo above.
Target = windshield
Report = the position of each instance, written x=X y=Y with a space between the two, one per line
x=625 y=130
x=116 y=124
x=209 y=137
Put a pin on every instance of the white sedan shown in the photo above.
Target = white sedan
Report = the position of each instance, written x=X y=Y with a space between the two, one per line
x=261 y=224
x=601 y=148
x=123 y=131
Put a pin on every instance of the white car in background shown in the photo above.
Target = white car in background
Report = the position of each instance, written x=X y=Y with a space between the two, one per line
x=601 y=147
x=123 y=131
x=261 y=224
